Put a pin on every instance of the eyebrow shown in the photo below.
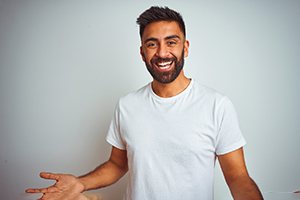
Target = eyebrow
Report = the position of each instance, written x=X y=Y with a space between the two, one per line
x=166 y=38
x=172 y=37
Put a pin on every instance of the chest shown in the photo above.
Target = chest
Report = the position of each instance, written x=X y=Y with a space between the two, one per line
x=179 y=133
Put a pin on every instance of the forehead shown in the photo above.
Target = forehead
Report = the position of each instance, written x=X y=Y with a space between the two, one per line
x=161 y=29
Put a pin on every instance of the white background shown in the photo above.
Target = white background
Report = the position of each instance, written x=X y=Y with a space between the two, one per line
x=64 y=64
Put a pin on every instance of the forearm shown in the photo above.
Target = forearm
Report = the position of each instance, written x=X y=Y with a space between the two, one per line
x=104 y=175
x=244 y=188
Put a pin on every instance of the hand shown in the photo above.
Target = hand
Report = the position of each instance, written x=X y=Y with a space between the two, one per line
x=66 y=187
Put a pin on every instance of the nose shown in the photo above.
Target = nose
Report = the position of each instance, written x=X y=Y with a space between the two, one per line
x=162 y=51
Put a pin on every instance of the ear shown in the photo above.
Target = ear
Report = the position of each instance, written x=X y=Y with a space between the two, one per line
x=186 y=48
x=142 y=53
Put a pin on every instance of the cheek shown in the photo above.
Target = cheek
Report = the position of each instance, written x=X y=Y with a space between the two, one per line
x=148 y=56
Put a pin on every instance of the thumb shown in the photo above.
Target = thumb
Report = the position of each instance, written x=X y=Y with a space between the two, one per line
x=50 y=176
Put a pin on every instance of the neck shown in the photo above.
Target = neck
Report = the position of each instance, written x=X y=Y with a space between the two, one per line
x=171 y=89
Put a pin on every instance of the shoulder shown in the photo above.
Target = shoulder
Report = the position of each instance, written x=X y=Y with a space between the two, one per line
x=208 y=93
x=135 y=97
x=212 y=99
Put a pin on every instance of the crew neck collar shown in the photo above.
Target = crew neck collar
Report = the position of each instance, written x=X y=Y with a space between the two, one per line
x=170 y=99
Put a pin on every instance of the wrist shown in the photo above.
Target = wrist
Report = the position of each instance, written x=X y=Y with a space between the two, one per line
x=82 y=184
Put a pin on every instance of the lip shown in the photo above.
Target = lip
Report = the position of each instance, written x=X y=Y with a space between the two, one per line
x=164 y=67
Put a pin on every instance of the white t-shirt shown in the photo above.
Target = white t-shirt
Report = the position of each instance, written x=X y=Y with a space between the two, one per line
x=172 y=143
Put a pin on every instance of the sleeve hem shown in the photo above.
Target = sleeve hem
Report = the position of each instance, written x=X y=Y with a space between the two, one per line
x=231 y=148
x=115 y=144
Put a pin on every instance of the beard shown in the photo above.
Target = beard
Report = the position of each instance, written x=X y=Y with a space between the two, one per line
x=165 y=77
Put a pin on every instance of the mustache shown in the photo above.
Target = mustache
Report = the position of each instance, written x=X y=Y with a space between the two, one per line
x=160 y=59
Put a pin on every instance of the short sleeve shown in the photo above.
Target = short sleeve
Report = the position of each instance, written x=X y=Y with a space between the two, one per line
x=114 y=134
x=229 y=137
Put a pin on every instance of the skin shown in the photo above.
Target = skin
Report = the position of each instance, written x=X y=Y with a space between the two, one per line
x=160 y=39
x=69 y=187
x=159 y=32
x=237 y=178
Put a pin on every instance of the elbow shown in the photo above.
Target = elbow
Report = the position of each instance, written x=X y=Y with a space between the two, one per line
x=243 y=187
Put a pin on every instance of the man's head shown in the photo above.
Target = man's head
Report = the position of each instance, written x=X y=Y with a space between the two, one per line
x=164 y=46
x=155 y=14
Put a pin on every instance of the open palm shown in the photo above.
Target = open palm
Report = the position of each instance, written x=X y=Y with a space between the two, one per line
x=66 y=187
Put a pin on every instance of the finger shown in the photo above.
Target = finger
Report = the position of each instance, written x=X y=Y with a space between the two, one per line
x=48 y=175
x=29 y=195
x=36 y=190
x=42 y=190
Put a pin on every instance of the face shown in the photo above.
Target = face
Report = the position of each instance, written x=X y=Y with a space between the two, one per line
x=163 y=50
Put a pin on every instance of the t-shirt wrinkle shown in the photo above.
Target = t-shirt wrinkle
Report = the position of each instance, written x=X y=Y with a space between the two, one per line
x=172 y=143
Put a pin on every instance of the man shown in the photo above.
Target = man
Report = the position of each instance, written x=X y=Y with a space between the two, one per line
x=167 y=134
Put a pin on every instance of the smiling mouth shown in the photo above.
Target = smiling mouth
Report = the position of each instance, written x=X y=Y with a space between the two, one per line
x=164 y=65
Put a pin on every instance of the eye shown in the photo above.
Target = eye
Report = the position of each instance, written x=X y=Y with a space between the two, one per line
x=171 y=43
x=151 y=45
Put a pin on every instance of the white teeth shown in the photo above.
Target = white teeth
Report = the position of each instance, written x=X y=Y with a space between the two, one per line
x=164 y=64
x=165 y=67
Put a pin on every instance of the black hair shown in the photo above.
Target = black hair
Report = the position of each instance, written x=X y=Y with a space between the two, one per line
x=155 y=14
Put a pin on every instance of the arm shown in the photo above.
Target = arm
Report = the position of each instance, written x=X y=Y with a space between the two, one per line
x=68 y=186
x=107 y=173
x=241 y=185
